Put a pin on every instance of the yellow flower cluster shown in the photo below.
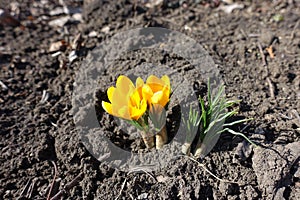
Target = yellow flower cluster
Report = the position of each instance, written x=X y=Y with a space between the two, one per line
x=129 y=101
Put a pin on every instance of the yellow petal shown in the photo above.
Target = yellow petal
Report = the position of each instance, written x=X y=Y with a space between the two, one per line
x=164 y=99
x=124 y=84
x=135 y=99
x=161 y=97
x=153 y=79
x=124 y=112
x=155 y=83
x=166 y=80
x=156 y=98
x=144 y=105
x=139 y=83
x=136 y=113
x=110 y=93
x=147 y=93
x=167 y=91
x=120 y=104
x=121 y=94
x=107 y=107
x=156 y=87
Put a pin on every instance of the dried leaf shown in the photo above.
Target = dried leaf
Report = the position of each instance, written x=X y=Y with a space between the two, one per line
x=270 y=51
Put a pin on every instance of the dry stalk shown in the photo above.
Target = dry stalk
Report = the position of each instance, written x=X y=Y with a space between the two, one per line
x=52 y=184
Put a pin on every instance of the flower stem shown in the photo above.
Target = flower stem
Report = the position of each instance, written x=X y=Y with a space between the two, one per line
x=148 y=139
x=161 y=138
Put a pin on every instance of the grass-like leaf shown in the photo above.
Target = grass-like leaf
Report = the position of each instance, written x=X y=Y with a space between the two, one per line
x=211 y=121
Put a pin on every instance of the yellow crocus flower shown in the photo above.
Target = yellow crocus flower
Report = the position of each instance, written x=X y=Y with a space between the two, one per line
x=125 y=100
x=157 y=91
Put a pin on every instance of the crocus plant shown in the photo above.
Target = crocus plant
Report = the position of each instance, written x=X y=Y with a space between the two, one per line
x=140 y=102
x=210 y=124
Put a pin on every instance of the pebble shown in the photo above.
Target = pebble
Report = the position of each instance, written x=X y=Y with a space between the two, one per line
x=93 y=34
x=60 y=22
x=72 y=56
x=77 y=17
x=105 y=29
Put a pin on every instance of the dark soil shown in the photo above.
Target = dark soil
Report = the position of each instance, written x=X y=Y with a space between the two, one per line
x=38 y=133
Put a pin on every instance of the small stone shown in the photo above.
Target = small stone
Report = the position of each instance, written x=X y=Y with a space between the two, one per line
x=143 y=196
x=60 y=22
x=72 y=56
x=77 y=17
x=105 y=29
x=93 y=34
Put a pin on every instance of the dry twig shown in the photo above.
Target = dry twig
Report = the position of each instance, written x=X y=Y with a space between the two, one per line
x=271 y=88
x=263 y=57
